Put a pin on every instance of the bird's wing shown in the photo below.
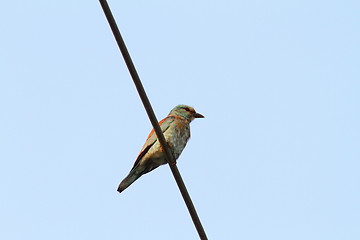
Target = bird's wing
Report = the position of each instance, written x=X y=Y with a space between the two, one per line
x=152 y=138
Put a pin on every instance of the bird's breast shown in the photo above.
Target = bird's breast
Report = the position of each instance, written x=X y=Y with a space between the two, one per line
x=177 y=136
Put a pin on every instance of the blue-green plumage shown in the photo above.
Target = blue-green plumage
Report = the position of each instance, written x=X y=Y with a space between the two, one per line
x=176 y=130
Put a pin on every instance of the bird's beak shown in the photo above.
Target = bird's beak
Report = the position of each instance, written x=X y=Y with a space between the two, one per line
x=198 y=115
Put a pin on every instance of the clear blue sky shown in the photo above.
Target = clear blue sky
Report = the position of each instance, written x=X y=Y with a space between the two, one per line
x=276 y=158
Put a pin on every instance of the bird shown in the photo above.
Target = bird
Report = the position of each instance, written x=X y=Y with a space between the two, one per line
x=176 y=130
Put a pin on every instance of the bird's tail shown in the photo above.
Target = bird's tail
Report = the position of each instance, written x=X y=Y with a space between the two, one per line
x=128 y=181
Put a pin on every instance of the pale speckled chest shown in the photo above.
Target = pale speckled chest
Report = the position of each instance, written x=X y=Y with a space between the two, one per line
x=177 y=136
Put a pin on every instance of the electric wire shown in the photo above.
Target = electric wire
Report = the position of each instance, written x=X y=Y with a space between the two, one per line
x=153 y=120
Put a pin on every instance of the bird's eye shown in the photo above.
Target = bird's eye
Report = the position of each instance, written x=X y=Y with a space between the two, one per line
x=187 y=109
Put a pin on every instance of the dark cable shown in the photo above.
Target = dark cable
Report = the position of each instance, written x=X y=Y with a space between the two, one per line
x=153 y=119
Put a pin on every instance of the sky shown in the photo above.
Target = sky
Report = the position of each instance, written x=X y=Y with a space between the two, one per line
x=277 y=156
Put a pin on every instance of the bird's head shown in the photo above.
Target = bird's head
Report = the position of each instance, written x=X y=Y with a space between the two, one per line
x=186 y=112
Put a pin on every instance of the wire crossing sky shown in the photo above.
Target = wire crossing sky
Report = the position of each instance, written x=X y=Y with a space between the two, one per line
x=153 y=120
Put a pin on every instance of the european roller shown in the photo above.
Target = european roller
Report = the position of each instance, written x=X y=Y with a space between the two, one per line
x=176 y=130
